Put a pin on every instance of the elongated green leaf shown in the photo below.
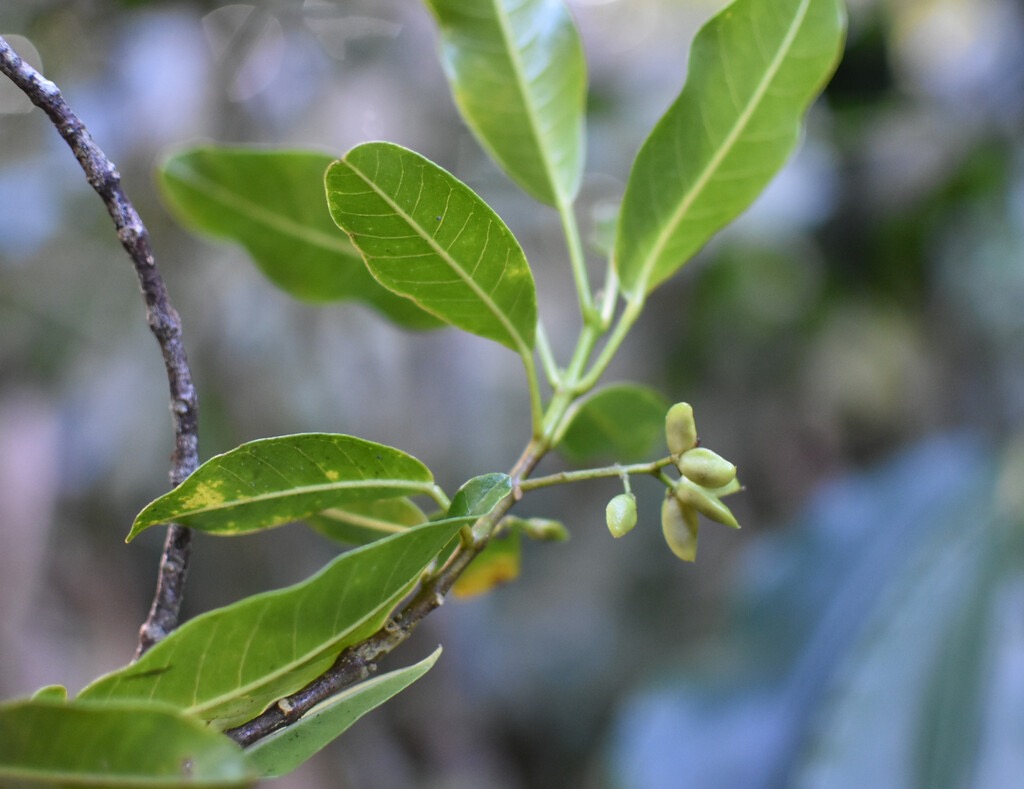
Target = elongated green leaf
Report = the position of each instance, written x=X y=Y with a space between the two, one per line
x=286 y=749
x=272 y=203
x=519 y=78
x=426 y=235
x=46 y=743
x=622 y=422
x=754 y=69
x=227 y=665
x=276 y=480
x=362 y=522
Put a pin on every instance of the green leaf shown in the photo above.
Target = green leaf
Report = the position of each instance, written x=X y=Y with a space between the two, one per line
x=286 y=749
x=227 y=665
x=272 y=203
x=622 y=422
x=276 y=480
x=426 y=235
x=497 y=564
x=480 y=495
x=362 y=522
x=47 y=743
x=754 y=69
x=51 y=693
x=519 y=77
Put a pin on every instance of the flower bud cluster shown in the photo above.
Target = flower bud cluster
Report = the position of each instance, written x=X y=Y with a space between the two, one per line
x=705 y=477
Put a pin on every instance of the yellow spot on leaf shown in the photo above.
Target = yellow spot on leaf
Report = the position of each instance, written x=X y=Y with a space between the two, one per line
x=205 y=496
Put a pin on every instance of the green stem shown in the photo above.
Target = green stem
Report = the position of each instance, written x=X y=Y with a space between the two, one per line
x=536 y=403
x=439 y=497
x=578 y=262
x=626 y=320
x=564 y=477
x=569 y=389
x=547 y=357
x=610 y=295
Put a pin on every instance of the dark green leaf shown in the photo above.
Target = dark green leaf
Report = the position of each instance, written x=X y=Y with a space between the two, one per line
x=426 y=235
x=276 y=480
x=272 y=203
x=54 y=744
x=227 y=665
x=286 y=749
x=480 y=495
x=519 y=77
x=754 y=69
x=362 y=522
x=622 y=422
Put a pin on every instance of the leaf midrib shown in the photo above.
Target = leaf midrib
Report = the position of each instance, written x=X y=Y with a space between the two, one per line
x=106 y=781
x=708 y=173
x=518 y=71
x=442 y=253
x=257 y=213
x=418 y=486
x=264 y=680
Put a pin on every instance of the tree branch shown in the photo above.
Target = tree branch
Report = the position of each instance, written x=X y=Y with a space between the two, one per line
x=359 y=661
x=161 y=316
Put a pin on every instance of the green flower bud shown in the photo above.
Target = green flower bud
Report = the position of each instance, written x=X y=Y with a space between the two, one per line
x=708 y=469
x=704 y=501
x=680 y=429
x=542 y=529
x=680 y=527
x=621 y=514
x=734 y=486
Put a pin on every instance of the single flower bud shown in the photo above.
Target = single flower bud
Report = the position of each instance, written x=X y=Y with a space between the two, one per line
x=680 y=429
x=544 y=529
x=680 y=528
x=708 y=469
x=621 y=514
x=704 y=501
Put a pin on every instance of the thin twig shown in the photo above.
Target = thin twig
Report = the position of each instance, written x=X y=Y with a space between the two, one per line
x=360 y=660
x=160 y=314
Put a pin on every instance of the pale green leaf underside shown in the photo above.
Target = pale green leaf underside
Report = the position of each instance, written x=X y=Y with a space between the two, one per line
x=427 y=236
x=518 y=76
x=754 y=69
x=46 y=743
x=286 y=749
x=272 y=203
x=362 y=522
x=227 y=665
x=623 y=422
x=480 y=495
x=272 y=481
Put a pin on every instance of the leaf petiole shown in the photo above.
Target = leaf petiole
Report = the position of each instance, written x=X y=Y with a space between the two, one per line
x=578 y=262
x=439 y=497
x=547 y=357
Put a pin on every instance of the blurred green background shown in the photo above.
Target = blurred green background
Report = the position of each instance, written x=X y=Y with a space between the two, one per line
x=853 y=343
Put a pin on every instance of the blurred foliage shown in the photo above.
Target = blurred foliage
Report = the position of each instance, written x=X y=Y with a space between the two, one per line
x=869 y=644
x=868 y=302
